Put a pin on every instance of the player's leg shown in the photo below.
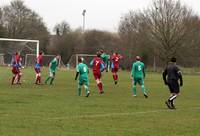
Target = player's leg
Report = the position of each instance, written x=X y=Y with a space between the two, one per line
x=175 y=89
x=97 y=77
x=114 y=75
x=100 y=85
x=14 y=76
x=106 y=66
x=169 y=101
x=79 y=88
x=37 y=76
x=49 y=77
x=86 y=86
x=52 y=78
x=13 y=79
x=141 y=82
x=134 y=87
x=19 y=77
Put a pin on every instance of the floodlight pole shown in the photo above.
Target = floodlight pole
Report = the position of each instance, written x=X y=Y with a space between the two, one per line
x=84 y=11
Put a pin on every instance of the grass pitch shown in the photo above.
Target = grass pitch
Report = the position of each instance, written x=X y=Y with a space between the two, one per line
x=30 y=110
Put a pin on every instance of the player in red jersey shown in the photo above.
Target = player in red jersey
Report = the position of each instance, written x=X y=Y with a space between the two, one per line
x=18 y=61
x=114 y=59
x=17 y=58
x=98 y=67
x=15 y=71
x=37 y=68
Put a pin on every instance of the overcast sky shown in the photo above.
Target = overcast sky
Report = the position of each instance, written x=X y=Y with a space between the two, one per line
x=101 y=14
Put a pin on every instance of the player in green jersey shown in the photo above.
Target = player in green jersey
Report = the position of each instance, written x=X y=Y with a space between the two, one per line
x=105 y=57
x=138 y=75
x=52 y=69
x=82 y=71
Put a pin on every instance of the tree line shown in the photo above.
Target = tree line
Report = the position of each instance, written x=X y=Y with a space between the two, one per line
x=166 y=28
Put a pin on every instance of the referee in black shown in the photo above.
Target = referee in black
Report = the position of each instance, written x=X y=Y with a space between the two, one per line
x=173 y=78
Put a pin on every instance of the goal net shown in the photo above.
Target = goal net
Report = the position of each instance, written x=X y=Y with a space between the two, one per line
x=73 y=61
x=31 y=58
x=8 y=47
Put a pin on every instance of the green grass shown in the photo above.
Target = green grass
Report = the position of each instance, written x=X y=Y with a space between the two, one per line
x=30 y=110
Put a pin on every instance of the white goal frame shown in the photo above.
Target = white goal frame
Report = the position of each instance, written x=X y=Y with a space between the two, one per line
x=24 y=40
x=2 y=58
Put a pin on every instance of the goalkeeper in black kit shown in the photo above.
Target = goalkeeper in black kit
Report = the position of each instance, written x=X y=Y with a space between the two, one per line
x=173 y=78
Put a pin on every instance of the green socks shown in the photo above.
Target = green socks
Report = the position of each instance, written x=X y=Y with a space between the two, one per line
x=134 y=90
x=47 y=80
x=79 y=90
x=86 y=89
x=143 y=90
x=51 y=82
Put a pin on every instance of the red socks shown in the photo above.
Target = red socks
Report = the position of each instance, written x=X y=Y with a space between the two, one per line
x=18 y=78
x=38 y=80
x=13 y=79
x=100 y=86
x=115 y=77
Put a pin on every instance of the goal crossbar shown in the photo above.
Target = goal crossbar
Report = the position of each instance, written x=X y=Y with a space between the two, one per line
x=23 y=40
x=18 y=40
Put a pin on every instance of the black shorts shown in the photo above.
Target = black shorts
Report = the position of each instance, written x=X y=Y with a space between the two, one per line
x=173 y=86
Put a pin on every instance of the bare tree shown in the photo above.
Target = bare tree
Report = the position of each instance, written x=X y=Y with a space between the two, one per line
x=65 y=44
x=133 y=32
x=2 y=28
x=167 y=20
x=165 y=29
x=62 y=28
x=22 y=22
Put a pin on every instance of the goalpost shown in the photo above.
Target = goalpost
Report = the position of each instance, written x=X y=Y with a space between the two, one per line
x=2 y=59
x=10 y=46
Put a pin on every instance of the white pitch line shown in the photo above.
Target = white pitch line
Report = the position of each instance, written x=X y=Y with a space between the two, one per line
x=120 y=114
x=107 y=115
x=102 y=115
